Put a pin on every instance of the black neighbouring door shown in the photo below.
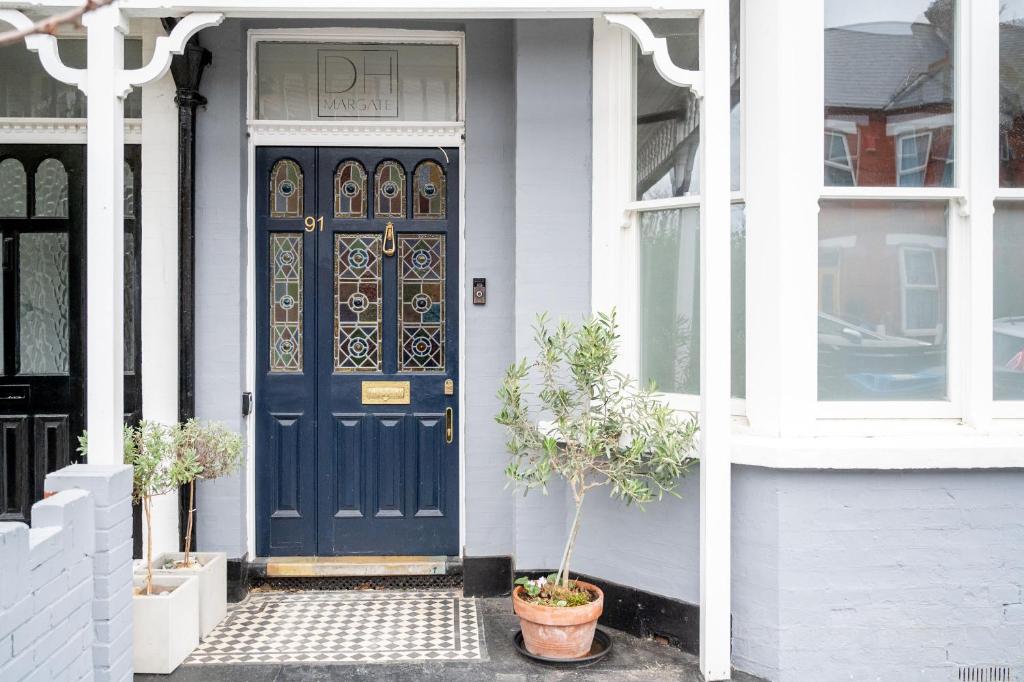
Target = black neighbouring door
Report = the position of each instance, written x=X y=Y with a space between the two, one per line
x=42 y=377
x=357 y=314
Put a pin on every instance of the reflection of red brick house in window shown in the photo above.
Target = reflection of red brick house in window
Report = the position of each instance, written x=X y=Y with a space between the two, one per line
x=888 y=105
x=1011 y=104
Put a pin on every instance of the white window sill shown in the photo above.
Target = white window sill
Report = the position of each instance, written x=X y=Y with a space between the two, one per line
x=937 y=445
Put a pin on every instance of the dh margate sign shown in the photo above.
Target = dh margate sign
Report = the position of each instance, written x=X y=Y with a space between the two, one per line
x=359 y=83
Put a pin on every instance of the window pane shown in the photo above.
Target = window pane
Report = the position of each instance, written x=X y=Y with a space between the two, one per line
x=889 y=84
x=739 y=302
x=882 y=300
x=1008 y=303
x=13 y=189
x=669 y=300
x=668 y=121
x=667 y=135
x=43 y=303
x=318 y=81
x=1011 y=93
x=51 y=185
x=27 y=90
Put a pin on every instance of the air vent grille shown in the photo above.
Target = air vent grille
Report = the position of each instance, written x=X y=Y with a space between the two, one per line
x=984 y=673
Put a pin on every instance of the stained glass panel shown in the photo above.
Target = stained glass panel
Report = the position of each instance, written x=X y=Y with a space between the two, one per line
x=350 y=190
x=389 y=189
x=421 y=270
x=43 y=303
x=13 y=190
x=357 y=302
x=285 y=302
x=428 y=191
x=51 y=190
x=286 y=190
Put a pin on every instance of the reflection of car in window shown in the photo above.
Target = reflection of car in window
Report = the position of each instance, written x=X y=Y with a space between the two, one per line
x=856 y=363
x=1008 y=358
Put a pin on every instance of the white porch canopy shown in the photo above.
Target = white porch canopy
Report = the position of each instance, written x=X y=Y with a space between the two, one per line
x=106 y=83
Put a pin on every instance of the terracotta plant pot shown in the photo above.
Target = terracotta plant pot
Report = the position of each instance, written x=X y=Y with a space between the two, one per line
x=558 y=631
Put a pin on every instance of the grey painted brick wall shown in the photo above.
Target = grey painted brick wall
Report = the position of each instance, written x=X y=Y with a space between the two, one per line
x=552 y=249
x=220 y=276
x=884 y=575
x=66 y=588
x=656 y=548
x=490 y=252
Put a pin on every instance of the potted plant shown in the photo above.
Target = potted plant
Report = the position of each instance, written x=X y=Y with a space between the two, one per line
x=216 y=452
x=604 y=430
x=165 y=609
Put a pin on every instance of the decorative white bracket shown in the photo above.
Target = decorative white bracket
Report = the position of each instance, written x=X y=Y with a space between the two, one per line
x=46 y=45
x=163 y=50
x=653 y=45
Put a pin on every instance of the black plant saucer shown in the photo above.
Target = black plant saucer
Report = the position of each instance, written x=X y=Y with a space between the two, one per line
x=601 y=646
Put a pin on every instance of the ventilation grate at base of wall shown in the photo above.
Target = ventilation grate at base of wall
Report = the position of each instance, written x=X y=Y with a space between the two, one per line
x=405 y=582
x=984 y=673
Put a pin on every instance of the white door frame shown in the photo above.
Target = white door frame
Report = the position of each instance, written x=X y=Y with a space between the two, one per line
x=428 y=135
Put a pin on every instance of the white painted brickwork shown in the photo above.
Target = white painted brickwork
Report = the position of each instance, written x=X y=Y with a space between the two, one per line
x=65 y=592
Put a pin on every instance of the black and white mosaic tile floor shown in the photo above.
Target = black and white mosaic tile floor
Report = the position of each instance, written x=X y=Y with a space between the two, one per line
x=346 y=627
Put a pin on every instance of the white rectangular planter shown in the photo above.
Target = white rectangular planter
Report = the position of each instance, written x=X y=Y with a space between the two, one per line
x=165 y=626
x=211 y=571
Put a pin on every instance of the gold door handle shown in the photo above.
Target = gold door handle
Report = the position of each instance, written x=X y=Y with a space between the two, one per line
x=389 y=240
x=449 y=426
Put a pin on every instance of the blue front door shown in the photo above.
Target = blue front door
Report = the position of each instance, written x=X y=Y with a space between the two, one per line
x=357 y=342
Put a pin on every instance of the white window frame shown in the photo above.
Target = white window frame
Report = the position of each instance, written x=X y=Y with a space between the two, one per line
x=619 y=189
x=831 y=163
x=960 y=235
x=902 y=172
x=1004 y=411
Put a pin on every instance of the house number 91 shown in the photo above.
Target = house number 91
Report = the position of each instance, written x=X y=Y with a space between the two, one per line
x=312 y=223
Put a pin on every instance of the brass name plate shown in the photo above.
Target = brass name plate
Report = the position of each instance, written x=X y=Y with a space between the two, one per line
x=385 y=393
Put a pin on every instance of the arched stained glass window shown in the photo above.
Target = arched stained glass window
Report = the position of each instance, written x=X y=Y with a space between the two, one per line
x=51 y=190
x=129 y=191
x=13 y=191
x=350 y=190
x=286 y=190
x=389 y=189
x=428 y=191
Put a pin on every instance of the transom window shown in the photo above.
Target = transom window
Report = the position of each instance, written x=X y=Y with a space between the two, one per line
x=348 y=81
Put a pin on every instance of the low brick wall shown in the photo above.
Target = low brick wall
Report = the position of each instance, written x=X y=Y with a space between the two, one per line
x=66 y=587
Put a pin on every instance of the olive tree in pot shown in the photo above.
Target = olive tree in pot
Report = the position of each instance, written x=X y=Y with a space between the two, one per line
x=216 y=451
x=165 y=609
x=601 y=429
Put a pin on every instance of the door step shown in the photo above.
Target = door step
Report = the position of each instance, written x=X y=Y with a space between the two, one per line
x=353 y=566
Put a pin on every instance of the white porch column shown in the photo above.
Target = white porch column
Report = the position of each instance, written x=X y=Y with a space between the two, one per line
x=160 y=270
x=715 y=331
x=105 y=235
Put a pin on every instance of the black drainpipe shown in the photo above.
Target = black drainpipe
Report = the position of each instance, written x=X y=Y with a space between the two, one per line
x=187 y=71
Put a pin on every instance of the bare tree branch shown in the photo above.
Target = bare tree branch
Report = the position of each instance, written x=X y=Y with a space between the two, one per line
x=50 y=25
